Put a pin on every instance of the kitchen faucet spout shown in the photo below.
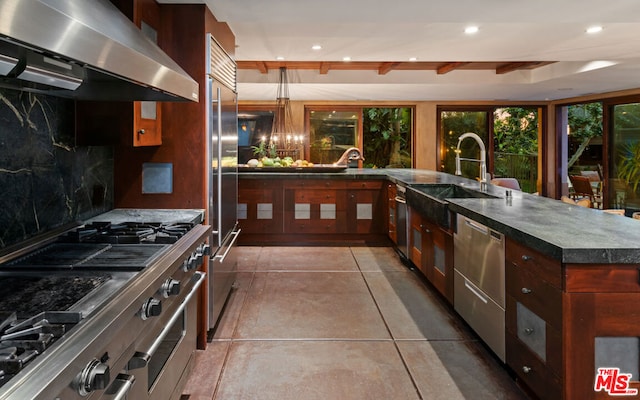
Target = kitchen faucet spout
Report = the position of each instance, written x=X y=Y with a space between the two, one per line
x=483 y=156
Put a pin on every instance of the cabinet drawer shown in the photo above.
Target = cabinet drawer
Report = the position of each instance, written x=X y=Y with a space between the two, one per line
x=609 y=278
x=483 y=314
x=315 y=184
x=541 y=265
x=533 y=372
x=526 y=327
x=364 y=184
x=315 y=196
x=536 y=294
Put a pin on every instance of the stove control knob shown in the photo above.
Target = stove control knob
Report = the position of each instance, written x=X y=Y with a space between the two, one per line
x=95 y=376
x=192 y=262
x=151 y=308
x=204 y=249
x=170 y=287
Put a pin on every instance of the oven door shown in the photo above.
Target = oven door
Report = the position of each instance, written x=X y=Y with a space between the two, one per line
x=162 y=368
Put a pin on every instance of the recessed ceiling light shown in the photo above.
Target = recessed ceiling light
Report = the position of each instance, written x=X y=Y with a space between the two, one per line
x=594 y=29
x=316 y=47
x=471 y=30
x=413 y=59
x=280 y=58
x=346 y=58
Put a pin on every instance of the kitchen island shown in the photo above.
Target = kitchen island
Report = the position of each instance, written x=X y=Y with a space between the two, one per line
x=571 y=274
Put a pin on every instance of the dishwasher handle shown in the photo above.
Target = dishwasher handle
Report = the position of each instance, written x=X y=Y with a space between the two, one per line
x=476 y=226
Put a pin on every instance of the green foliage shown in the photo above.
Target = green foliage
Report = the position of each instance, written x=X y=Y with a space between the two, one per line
x=629 y=164
x=585 y=123
x=387 y=137
x=585 y=120
x=515 y=130
x=259 y=151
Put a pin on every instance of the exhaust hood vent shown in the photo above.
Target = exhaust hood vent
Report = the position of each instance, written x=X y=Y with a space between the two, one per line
x=43 y=70
x=85 y=50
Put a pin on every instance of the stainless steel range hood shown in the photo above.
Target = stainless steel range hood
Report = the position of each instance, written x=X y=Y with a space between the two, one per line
x=86 y=50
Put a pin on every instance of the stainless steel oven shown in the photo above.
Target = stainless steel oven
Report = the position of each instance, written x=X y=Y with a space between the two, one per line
x=130 y=335
x=164 y=360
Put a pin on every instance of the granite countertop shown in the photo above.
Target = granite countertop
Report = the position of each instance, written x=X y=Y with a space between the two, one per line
x=166 y=216
x=563 y=231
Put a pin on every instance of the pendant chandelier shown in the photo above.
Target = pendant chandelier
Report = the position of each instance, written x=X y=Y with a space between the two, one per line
x=282 y=128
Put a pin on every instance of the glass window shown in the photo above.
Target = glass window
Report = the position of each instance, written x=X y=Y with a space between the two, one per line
x=331 y=133
x=387 y=137
x=625 y=153
x=510 y=136
x=452 y=125
x=515 y=146
x=253 y=126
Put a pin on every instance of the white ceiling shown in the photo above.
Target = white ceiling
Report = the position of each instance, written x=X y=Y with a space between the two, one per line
x=365 y=30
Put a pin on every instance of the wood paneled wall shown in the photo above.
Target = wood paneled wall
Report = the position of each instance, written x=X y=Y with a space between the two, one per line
x=182 y=37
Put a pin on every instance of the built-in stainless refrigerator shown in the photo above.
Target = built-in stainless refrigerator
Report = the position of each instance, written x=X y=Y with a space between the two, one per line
x=222 y=153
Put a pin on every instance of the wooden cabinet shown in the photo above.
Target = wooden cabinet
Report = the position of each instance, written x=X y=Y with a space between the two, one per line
x=260 y=207
x=431 y=251
x=392 y=214
x=133 y=123
x=534 y=319
x=603 y=329
x=365 y=206
x=315 y=206
x=312 y=210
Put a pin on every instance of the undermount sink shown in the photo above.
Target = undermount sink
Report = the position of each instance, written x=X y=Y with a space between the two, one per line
x=451 y=191
x=430 y=200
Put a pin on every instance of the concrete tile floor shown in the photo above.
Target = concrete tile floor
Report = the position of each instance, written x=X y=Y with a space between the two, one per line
x=310 y=323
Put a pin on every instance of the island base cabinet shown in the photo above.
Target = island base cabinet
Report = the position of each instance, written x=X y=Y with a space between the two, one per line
x=431 y=251
x=602 y=332
x=533 y=350
x=287 y=211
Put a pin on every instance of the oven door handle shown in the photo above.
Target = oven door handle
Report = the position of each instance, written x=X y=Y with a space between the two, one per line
x=124 y=383
x=141 y=358
x=235 y=237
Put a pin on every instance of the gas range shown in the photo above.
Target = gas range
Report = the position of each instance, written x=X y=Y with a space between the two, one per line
x=76 y=310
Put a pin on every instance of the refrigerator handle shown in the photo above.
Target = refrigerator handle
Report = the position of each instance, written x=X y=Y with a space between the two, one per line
x=235 y=235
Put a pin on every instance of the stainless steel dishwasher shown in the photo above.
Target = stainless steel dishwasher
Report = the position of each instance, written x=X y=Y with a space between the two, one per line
x=479 y=286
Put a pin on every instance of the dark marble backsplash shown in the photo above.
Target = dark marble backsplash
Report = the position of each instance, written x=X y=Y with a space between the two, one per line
x=45 y=180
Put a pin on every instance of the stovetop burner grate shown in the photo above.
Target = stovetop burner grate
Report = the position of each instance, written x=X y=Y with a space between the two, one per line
x=128 y=233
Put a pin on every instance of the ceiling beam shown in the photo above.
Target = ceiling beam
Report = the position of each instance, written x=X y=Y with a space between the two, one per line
x=448 y=67
x=385 y=67
x=324 y=68
x=510 y=67
x=262 y=67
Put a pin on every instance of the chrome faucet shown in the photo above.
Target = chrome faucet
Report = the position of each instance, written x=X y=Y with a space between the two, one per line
x=350 y=156
x=483 y=156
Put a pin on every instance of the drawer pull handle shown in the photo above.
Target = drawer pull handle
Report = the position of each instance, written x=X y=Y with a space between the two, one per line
x=526 y=369
x=528 y=331
x=526 y=290
x=526 y=257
